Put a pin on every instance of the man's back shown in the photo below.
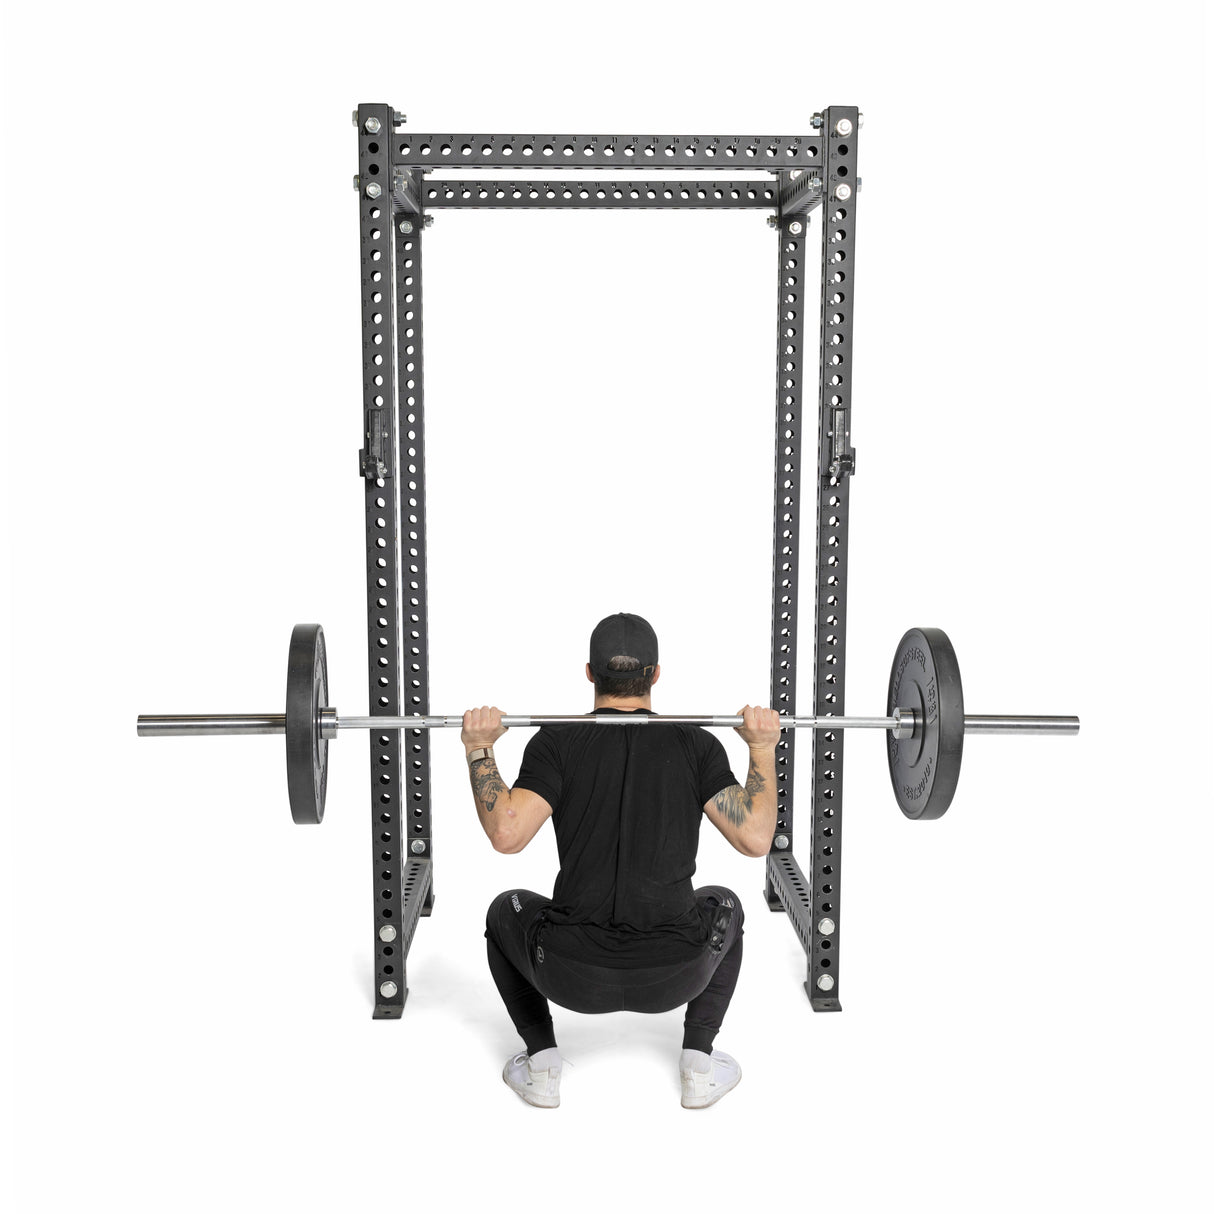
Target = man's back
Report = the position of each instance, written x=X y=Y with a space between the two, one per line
x=627 y=803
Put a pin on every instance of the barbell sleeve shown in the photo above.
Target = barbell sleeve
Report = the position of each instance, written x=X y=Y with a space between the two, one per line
x=211 y=726
x=1058 y=725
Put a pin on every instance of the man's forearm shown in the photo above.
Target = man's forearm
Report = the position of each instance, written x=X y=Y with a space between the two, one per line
x=752 y=810
x=490 y=793
x=761 y=792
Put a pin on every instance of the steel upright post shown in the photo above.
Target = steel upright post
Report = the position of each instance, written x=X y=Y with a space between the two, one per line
x=380 y=466
x=836 y=462
x=409 y=225
x=791 y=288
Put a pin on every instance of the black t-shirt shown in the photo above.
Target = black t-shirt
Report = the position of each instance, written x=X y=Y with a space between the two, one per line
x=627 y=802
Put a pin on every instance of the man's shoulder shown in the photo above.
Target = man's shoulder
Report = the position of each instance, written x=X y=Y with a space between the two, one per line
x=704 y=737
x=699 y=744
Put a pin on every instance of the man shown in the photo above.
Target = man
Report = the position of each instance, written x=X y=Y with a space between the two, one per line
x=624 y=930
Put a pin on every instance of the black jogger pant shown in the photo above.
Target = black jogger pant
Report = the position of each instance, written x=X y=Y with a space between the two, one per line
x=528 y=975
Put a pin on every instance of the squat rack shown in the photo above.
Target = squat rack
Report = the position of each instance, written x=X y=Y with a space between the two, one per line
x=396 y=196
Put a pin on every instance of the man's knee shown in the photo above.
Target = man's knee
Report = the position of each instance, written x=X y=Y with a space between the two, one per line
x=497 y=908
x=509 y=907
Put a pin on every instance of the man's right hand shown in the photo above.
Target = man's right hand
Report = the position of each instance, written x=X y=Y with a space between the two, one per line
x=482 y=727
x=760 y=728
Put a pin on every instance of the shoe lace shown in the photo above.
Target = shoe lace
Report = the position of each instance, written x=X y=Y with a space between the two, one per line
x=523 y=1058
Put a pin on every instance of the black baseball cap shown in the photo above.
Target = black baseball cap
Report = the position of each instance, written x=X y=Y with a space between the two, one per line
x=623 y=636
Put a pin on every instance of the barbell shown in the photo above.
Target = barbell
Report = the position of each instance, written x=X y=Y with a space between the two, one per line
x=925 y=719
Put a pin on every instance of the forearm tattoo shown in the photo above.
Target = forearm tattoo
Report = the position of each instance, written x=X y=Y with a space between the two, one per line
x=735 y=802
x=487 y=783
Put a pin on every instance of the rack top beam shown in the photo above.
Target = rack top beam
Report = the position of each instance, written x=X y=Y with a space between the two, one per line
x=453 y=151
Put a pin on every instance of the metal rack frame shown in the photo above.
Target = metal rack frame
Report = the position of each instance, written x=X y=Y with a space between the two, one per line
x=396 y=195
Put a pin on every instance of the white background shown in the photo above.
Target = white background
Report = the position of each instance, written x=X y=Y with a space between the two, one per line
x=1024 y=982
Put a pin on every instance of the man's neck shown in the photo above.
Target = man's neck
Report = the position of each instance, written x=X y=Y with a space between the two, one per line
x=624 y=704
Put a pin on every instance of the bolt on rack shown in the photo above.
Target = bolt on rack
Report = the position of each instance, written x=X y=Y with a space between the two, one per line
x=643 y=172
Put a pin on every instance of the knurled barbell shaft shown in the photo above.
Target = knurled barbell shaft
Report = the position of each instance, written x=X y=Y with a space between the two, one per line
x=523 y=722
x=197 y=725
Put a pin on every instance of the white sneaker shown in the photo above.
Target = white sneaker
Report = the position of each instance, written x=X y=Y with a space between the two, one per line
x=702 y=1087
x=540 y=1088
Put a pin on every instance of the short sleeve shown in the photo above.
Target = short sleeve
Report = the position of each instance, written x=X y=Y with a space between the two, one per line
x=715 y=773
x=540 y=771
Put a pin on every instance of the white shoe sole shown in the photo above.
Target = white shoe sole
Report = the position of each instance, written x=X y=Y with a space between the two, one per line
x=704 y=1102
x=532 y=1098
